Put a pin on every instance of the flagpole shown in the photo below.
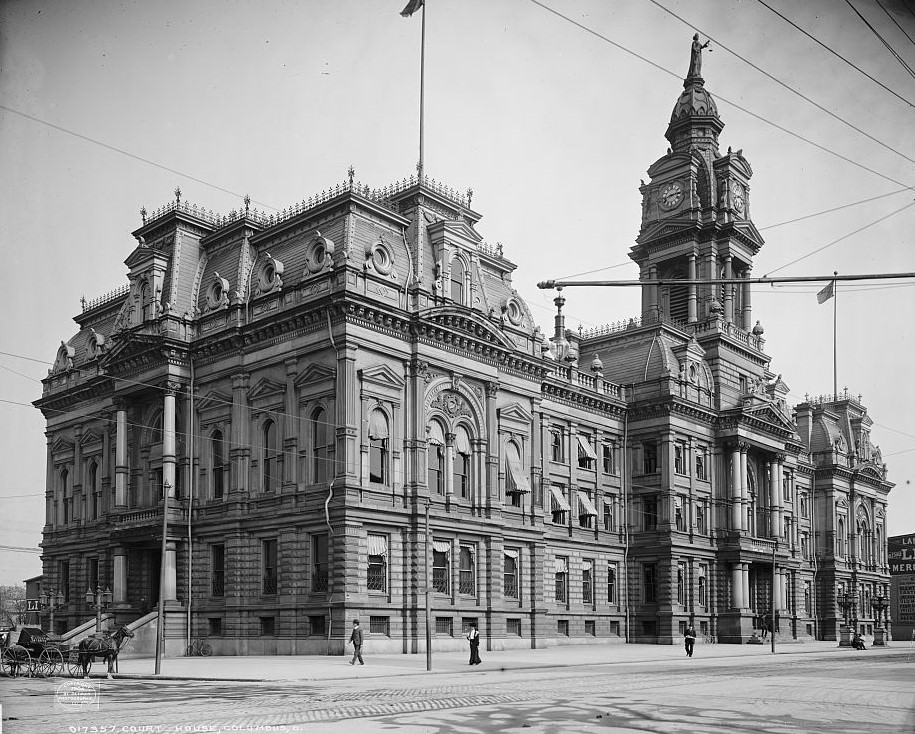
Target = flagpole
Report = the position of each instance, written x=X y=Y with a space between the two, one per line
x=835 y=358
x=422 y=89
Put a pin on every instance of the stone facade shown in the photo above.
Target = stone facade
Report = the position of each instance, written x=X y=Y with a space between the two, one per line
x=313 y=389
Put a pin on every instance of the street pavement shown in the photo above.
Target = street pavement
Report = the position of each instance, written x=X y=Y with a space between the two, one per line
x=326 y=668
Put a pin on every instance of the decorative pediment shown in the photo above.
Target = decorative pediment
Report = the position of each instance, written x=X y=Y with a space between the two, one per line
x=516 y=413
x=383 y=376
x=61 y=446
x=314 y=373
x=265 y=389
x=467 y=322
x=90 y=437
x=842 y=502
x=872 y=472
x=663 y=229
x=214 y=400
x=767 y=413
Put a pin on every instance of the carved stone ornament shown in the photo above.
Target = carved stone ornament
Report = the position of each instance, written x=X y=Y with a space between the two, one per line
x=217 y=293
x=269 y=275
x=451 y=404
x=319 y=255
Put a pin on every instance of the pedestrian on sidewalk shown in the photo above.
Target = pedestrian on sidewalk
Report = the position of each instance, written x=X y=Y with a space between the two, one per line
x=356 y=639
x=689 y=639
x=474 y=636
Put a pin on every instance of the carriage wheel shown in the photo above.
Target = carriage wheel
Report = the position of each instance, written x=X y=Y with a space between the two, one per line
x=50 y=662
x=16 y=662
x=73 y=667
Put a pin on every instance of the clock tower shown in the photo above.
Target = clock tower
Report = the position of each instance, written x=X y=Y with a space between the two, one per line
x=696 y=216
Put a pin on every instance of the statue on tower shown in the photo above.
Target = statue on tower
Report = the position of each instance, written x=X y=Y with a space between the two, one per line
x=695 y=57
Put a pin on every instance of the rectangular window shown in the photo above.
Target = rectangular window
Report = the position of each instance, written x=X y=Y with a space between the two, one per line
x=435 y=470
x=586 y=510
x=467 y=582
x=680 y=512
x=701 y=517
x=562 y=627
x=787 y=529
x=649 y=458
x=218 y=570
x=462 y=474
x=319 y=563
x=268 y=626
x=316 y=626
x=377 y=571
x=681 y=583
x=556 y=453
x=590 y=628
x=441 y=567
x=587 y=582
x=649 y=583
x=609 y=501
x=807 y=599
x=611 y=583
x=444 y=626
x=510 y=573
x=378 y=452
x=466 y=623
x=586 y=455
x=650 y=513
x=680 y=458
x=802 y=501
x=615 y=628
x=608 y=464
x=703 y=585
x=559 y=505
x=214 y=626
x=560 y=579
x=786 y=486
x=63 y=573
x=805 y=545
x=701 y=463
x=269 y=555
x=157 y=483
x=94 y=581
x=513 y=627
x=380 y=626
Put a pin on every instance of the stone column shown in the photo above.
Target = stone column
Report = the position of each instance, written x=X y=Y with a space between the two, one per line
x=744 y=488
x=773 y=498
x=449 y=464
x=119 y=576
x=168 y=438
x=492 y=458
x=170 y=577
x=736 y=500
x=736 y=586
x=347 y=444
x=536 y=459
x=728 y=291
x=747 y=307
x=691 y=307
x=240 y=444
x=120 y=459
x=745 y=584
x=654 y=292
x=290 y=432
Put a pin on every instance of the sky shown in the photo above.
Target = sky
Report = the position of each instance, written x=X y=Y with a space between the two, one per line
x=106 y=107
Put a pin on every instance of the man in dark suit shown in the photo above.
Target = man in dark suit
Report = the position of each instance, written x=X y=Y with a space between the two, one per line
x=356 y=639
x=474 y=636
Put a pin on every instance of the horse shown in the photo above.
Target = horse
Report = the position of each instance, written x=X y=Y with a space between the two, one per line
x=106 y=648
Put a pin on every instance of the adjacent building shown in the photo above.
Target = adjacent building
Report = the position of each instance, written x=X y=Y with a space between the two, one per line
x=345 y=406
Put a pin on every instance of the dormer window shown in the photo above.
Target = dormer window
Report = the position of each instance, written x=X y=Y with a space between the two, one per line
x=457 y=280
x=268 y=275
x=218 y=292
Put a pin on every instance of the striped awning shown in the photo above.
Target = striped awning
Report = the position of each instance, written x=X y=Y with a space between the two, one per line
x=378 y=425
x=515 y=479
x=441 y=546
x=585 y=449
x=378 y=545
x=436 y=434
x=561 y=565
x=558 y=501
x=585 y=506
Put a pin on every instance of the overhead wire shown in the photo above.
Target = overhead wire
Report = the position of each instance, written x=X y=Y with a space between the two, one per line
x=835 y=53
x=895 y=22
x=786 y=86
x=733 y=104
x=905 y=65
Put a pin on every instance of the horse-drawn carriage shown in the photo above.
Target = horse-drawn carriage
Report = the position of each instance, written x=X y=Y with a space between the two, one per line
x=29 y=651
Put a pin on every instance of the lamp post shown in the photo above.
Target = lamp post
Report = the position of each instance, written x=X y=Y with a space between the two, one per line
x=160 y=619
x=98 y=600
x=51 y=602
x=879 y=603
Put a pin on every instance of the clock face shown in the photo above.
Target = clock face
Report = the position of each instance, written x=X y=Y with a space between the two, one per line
x=737 y=197
x=671 y=195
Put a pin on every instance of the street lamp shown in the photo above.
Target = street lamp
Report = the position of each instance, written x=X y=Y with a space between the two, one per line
x=51 y=602
x=879 y=603
x=98 y=600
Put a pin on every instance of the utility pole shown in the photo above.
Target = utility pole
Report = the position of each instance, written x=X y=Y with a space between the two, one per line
x=774 y=580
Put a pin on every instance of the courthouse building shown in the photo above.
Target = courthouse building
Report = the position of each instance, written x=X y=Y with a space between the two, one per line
x=313 y=389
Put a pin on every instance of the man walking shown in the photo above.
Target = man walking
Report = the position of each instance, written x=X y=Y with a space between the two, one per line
x=356 y=639
x=689 y=639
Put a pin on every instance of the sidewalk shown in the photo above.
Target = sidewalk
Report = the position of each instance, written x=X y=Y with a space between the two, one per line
x=323 y=668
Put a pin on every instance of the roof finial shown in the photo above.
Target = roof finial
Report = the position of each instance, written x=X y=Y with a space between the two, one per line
x=350 y=174
x=178 y=195
x=469 y=195
x=247 y=201
x=143 y=214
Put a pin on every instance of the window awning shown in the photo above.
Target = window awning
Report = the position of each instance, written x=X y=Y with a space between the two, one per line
x=436 y=434
x=378 y=425
x=585 y=449
x=462 y=442
x=515 y=479
x=678 y=501
x=559 y=502
x=561 y=565
x=378 y=545
x=510 y=553
x=585 y=506
x=441 y=546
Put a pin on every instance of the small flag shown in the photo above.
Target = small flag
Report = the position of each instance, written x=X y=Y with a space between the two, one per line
x=828 y=292
x=411 y=8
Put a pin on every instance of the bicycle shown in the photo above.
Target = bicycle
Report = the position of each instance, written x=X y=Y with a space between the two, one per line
x=198 y=647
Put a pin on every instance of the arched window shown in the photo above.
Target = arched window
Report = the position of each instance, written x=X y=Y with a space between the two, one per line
x=462 y=464
x=457 y=280
x=271 y=457
x=322 y=437
x=93 y=490
x=840 y=537
x=145 y=301
x=65 y=496
x=436 y=458
x=378 y=447
x=219 y=464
